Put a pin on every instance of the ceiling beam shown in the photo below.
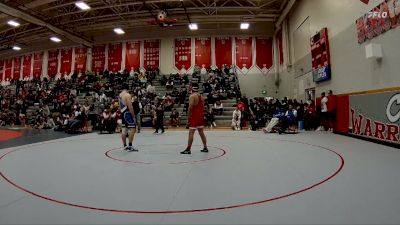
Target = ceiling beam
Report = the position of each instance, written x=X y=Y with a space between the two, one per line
x=32 y=19
x=285 y=12
x=37 y=3
x=145 y=16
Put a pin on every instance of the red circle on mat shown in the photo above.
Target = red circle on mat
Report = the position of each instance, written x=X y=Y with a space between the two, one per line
x=239 y=205
x=108 y=155
x=6 y=135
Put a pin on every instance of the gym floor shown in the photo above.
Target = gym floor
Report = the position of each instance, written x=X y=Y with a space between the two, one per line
x=246 y=178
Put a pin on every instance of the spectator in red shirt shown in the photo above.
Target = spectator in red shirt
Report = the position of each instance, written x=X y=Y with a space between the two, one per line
x=310 y=116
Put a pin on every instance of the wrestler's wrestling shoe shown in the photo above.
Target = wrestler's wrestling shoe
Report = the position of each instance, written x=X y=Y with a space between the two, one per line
x=204 y=150
x=186 y=152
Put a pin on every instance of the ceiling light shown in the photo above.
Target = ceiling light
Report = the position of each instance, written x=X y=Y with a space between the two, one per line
x=244 y=26
x=82 y=5
x=13 y=23
x=16 y=48
x=119 y=31
x=55 y=39
x=193 y=26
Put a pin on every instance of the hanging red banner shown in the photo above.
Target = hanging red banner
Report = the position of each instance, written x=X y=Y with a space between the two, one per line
x=52 y=63
x=132 y=59
x=244 y=53
x=1 y=70
x=203 y=52
x=151 y=54
x=98 y=58
x=264 y=54
x=66 y=62
x=7 y=69
x=223 y=51
x=17 y=69
x=37 y=64
x=183 y=54
x=279 y=39
x=80 y=59
x=114 y=57
x=26 y=66
x=380 y=19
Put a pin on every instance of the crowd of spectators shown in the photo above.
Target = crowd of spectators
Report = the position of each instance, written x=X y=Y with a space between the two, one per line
x=54 y=104
x=286 y=115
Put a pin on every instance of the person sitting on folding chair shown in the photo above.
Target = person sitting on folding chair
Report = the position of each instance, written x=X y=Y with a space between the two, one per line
x=288 y=120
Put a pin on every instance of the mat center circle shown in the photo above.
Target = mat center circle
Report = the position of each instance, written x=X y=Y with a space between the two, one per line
x=164 y=154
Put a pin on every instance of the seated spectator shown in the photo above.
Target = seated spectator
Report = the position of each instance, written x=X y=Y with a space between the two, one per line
x=170 y=84
x=108 y=123
x=164 y=80
x=213 y=97
x=218 y=107
x=142 y=79
x=59 y=124
x=236 y=119
x=182 y=95
x=210 y=118
x=76 y=121
x=175 y=93
x=277 y=116
x=168 y=103
x=288 y=120
x=174 y=119
x=151 y=91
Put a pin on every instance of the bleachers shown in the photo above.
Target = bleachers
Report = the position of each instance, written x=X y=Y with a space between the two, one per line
x=223 y=120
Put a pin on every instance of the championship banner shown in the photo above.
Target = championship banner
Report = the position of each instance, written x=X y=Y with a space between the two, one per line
x=183 y=54
x=223 y=51
x=394 y=13
x=66 y=62
x=80 y=59
x=37 y=64
x=7 y=69
x=26 y=66
x=264 y=54
x=132 y=59
x=376 y=116
x=52 y=63
x=151 y=54
x=17 y=69
x=98 y=58
x=114 y=57
x=320 y=56
x=203 y=52
x=380 y=19
x=244 y=54
x=361 y=36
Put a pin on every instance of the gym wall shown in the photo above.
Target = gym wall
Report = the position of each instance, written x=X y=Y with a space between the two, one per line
x=351 y=70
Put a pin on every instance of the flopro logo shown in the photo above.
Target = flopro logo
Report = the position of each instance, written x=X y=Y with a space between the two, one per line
x=395 y=99
x=378 y=15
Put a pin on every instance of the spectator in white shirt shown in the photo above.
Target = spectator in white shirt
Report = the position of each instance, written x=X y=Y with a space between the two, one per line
x=236 y=118
x=218 y=107
x=151 y=91
x=324 y=112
